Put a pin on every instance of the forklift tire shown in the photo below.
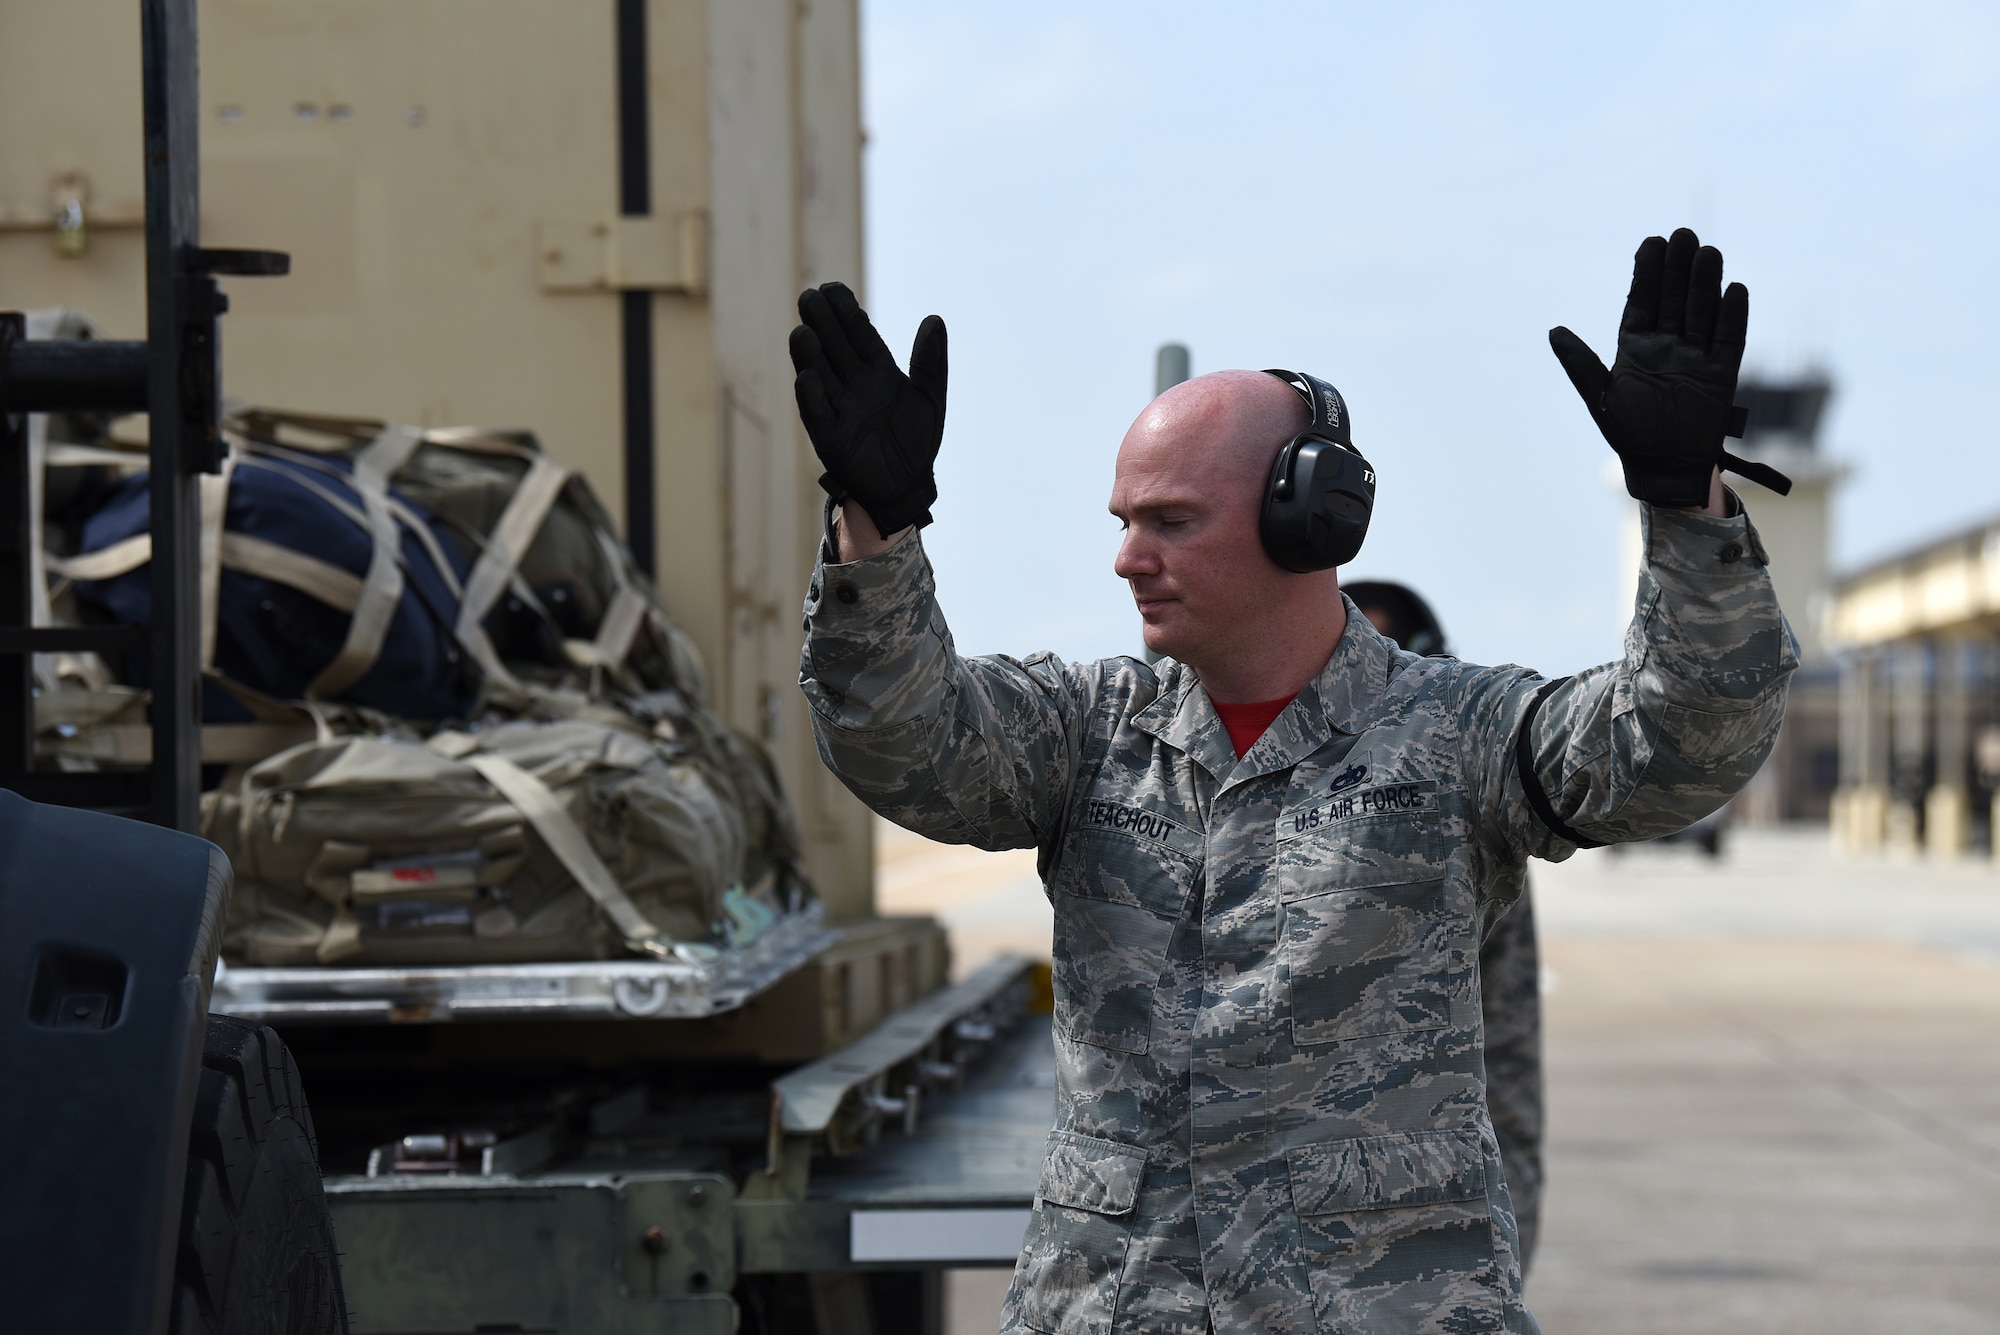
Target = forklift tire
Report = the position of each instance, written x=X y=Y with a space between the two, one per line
x=257 y=1251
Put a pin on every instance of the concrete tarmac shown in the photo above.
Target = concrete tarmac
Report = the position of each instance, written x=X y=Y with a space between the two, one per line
x=1774 y=1083
x=1774 y=1092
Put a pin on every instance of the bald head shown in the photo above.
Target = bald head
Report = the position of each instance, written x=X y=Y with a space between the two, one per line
x=1190 y=489
x=1224 y=427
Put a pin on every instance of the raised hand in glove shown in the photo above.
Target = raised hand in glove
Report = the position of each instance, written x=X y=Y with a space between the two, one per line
x=876 y=430
x=1669 y=398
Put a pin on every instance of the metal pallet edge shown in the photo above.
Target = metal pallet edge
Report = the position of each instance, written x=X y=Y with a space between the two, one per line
x=627 y=989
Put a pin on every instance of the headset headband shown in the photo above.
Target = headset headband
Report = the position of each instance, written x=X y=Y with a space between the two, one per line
x=1329 y=410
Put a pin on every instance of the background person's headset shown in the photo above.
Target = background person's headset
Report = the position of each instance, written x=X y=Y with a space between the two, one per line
x=1321 y=491
x=1412 y=623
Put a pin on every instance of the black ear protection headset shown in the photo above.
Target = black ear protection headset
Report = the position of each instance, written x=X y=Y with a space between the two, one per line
x=1321 y=491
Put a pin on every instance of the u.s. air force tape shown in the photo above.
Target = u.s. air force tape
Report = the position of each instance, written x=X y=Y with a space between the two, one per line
x=1382 y=799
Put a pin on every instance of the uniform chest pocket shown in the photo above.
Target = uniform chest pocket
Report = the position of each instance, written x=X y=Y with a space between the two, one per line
x=1117 y=901
x=1369 y=938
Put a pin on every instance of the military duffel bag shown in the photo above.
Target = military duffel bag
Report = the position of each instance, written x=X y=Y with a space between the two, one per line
x=318 y=582
x=551 y=583
x=525 y=841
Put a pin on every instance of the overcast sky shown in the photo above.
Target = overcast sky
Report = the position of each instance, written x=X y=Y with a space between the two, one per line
x=1403 y=199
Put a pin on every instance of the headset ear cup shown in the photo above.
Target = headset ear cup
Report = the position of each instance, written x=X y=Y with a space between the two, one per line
x=1321 y=491
x=1344 y=539
x=1324 y=521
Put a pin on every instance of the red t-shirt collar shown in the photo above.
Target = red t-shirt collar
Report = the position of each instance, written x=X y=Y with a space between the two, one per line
x=1246 y=723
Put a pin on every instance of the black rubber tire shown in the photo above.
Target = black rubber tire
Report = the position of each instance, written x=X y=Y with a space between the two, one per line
x=257 y=1254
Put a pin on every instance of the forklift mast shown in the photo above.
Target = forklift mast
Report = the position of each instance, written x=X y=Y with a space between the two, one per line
x=174 y=377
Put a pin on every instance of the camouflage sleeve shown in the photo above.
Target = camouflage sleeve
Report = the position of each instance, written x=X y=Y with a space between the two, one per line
x=1655 y=741
x=978 y=751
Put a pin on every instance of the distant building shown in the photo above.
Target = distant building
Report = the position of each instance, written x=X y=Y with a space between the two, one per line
x=1919 y=737
x=1798 y=782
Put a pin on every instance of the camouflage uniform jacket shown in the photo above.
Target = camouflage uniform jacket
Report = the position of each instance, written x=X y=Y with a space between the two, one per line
x=1269 y=1105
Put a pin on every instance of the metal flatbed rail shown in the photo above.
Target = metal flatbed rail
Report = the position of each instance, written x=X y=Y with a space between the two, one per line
x=620 y=1241
x=581 y=990
x=965 y=1015
x=954 y=1193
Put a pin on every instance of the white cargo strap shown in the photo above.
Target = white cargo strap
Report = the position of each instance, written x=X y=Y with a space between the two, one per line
x=383 y=457
x=346 y=432
x=509 y=541
x=331 y=584
x=49 y=323
x=48 y=669
x=382 y=588
x=333 y=499
x=336 y=586
x=479 y=647
x=618 y=629
x=624 y=616
x=106 y=562
x=63 y=454
x=567 y=840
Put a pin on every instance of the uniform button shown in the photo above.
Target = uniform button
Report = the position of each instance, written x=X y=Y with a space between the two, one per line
x=847 y=593
x=1731 y=552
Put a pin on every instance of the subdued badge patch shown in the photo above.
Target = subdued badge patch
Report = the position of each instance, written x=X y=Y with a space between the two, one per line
x=1417 y=796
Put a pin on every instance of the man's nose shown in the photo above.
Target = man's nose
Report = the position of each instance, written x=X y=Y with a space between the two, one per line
x=1136 y=556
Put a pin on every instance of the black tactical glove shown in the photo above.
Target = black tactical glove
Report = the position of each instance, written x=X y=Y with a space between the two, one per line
x=1669 y=398
x=876 y=430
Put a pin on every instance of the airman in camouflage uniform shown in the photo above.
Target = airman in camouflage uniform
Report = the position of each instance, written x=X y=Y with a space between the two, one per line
x=1270 y=1111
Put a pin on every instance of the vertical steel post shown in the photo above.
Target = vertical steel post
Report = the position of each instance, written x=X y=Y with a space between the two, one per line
x=635 y=308
x=175 y=401
x=17 y=701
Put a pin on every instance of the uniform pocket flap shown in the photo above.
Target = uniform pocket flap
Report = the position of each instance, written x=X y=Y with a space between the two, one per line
x=1085 y=1173
x=1704 y=739
x=1386 y=1172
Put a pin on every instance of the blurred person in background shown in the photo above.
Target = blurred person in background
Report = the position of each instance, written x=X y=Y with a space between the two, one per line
x=1510 y=993
x=1273 y=856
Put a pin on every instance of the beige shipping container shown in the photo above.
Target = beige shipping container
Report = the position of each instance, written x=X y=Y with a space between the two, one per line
x=484 y=229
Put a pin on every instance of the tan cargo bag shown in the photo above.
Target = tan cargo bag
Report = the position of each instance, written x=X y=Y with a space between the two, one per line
x=525 y=841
